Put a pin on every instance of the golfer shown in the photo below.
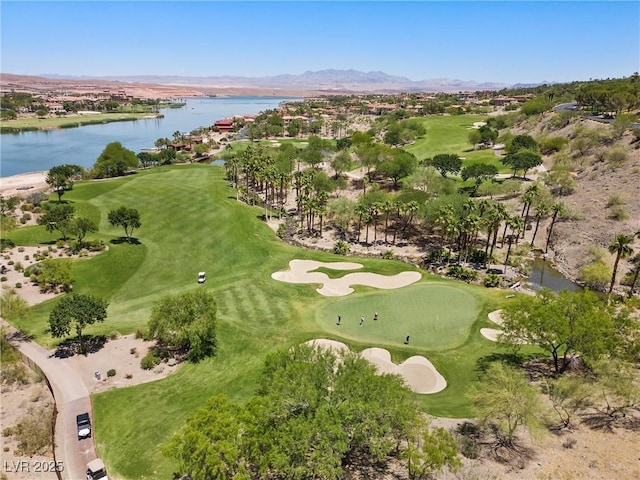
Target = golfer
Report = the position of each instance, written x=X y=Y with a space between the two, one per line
x=361 y=319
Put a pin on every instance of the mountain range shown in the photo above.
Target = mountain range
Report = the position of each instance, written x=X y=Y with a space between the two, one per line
x=331 y=80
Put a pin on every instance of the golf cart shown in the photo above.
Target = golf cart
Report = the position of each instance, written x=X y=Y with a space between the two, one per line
x=96 y=470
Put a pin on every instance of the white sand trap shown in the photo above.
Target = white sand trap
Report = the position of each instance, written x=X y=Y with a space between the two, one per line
x=418 y=373
x=300 y=272
x=337 y=347
x=490 y=333
x=496 y=317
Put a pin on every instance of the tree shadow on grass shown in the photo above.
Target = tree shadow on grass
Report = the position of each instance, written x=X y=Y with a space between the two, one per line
x=119 y=240
x=71 y=346
x=510 y=359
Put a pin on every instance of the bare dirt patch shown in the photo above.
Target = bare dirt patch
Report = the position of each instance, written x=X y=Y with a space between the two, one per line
x=123 y=355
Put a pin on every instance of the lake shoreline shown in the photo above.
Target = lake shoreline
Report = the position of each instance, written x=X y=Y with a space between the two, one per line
x=23 y=183
x=70 y=122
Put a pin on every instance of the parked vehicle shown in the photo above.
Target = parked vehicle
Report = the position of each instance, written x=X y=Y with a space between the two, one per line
x=202 y=277
x=96 y=470
x=83 y=422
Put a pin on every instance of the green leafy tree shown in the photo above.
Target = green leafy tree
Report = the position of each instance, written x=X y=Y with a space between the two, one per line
x=446 y=163
x=79 y=311
x=522 y=160
x=185 y=324
x=114 y=161
x=313 y=414
x=80 y=226
x=569 y=395
x=211 y=444
x=479 y=172
x=52 y=275
x=505 y=399
x=57 y=217
x=60 y=178
x=566 y=325
x=429 y=451
x=400 y=165
x=521 y=142
x=127 y=218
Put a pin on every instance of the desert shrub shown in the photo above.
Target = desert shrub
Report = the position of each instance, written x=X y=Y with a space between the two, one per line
x=128 y=376
x=25 y=218
x=3 y=279
x=149 y=361
x=388 y=255
x=113 y=335
x=461 y=273
x=33 y=432
x=6 y=243
x=18 y=285
x=569 y=442
x=133 y=351
x=21 y=249
x=618 y=213
x=492 y=280
x=141 y=333
x=14 y=373
x=341 y=248
x=614 y=201
x=551 y=144
x=595 y=275
x=60 y=243
x=282 y=230
x=111 y=372
x=37 y=198
x=617 y=156
x=13 y=306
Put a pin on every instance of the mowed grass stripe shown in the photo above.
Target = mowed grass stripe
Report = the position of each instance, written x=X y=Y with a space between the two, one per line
x=191 y=222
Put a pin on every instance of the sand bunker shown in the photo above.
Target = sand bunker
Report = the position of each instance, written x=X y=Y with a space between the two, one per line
x=300 y=271
x=418 y=373
x=492 y=333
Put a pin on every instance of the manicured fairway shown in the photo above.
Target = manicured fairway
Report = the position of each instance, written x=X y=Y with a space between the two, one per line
x=435 y=316
x=449 y=134
x=191 y=222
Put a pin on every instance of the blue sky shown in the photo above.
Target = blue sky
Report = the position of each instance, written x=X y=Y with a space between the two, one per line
x=501 y=41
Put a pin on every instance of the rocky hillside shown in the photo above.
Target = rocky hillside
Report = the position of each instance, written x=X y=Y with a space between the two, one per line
x=604 y=199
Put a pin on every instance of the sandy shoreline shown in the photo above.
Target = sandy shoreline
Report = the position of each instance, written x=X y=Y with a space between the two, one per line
x=19 y=184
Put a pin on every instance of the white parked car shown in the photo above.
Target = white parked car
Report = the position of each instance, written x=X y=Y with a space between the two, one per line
x=202 y=277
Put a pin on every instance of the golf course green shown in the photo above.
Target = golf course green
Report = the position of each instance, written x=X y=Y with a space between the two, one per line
x=192 y=222
x=435 y=316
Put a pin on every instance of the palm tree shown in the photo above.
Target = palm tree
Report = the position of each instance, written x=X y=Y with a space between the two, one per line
x=388 y=206
x=542 y=210
x=621 y=247
x=557 y=209
x=635 y=261
x=360 y=210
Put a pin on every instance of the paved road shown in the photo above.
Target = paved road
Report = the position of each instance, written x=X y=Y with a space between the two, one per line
x=71 y=397
x=572 y=107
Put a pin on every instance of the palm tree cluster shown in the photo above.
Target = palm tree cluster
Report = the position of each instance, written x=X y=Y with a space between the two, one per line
x=424 y=208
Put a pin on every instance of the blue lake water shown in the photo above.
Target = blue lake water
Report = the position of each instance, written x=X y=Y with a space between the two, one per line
x=41 y=150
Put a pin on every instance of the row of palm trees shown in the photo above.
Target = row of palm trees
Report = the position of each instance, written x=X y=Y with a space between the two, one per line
x=267 y=177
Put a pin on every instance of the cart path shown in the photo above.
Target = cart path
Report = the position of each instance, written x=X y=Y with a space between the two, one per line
x=71 y=397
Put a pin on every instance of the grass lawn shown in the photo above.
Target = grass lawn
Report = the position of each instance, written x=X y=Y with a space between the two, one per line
x=436 y=315
x=449 y=134
x=192 y=222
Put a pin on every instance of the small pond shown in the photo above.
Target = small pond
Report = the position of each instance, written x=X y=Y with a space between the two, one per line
x=543 y=275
